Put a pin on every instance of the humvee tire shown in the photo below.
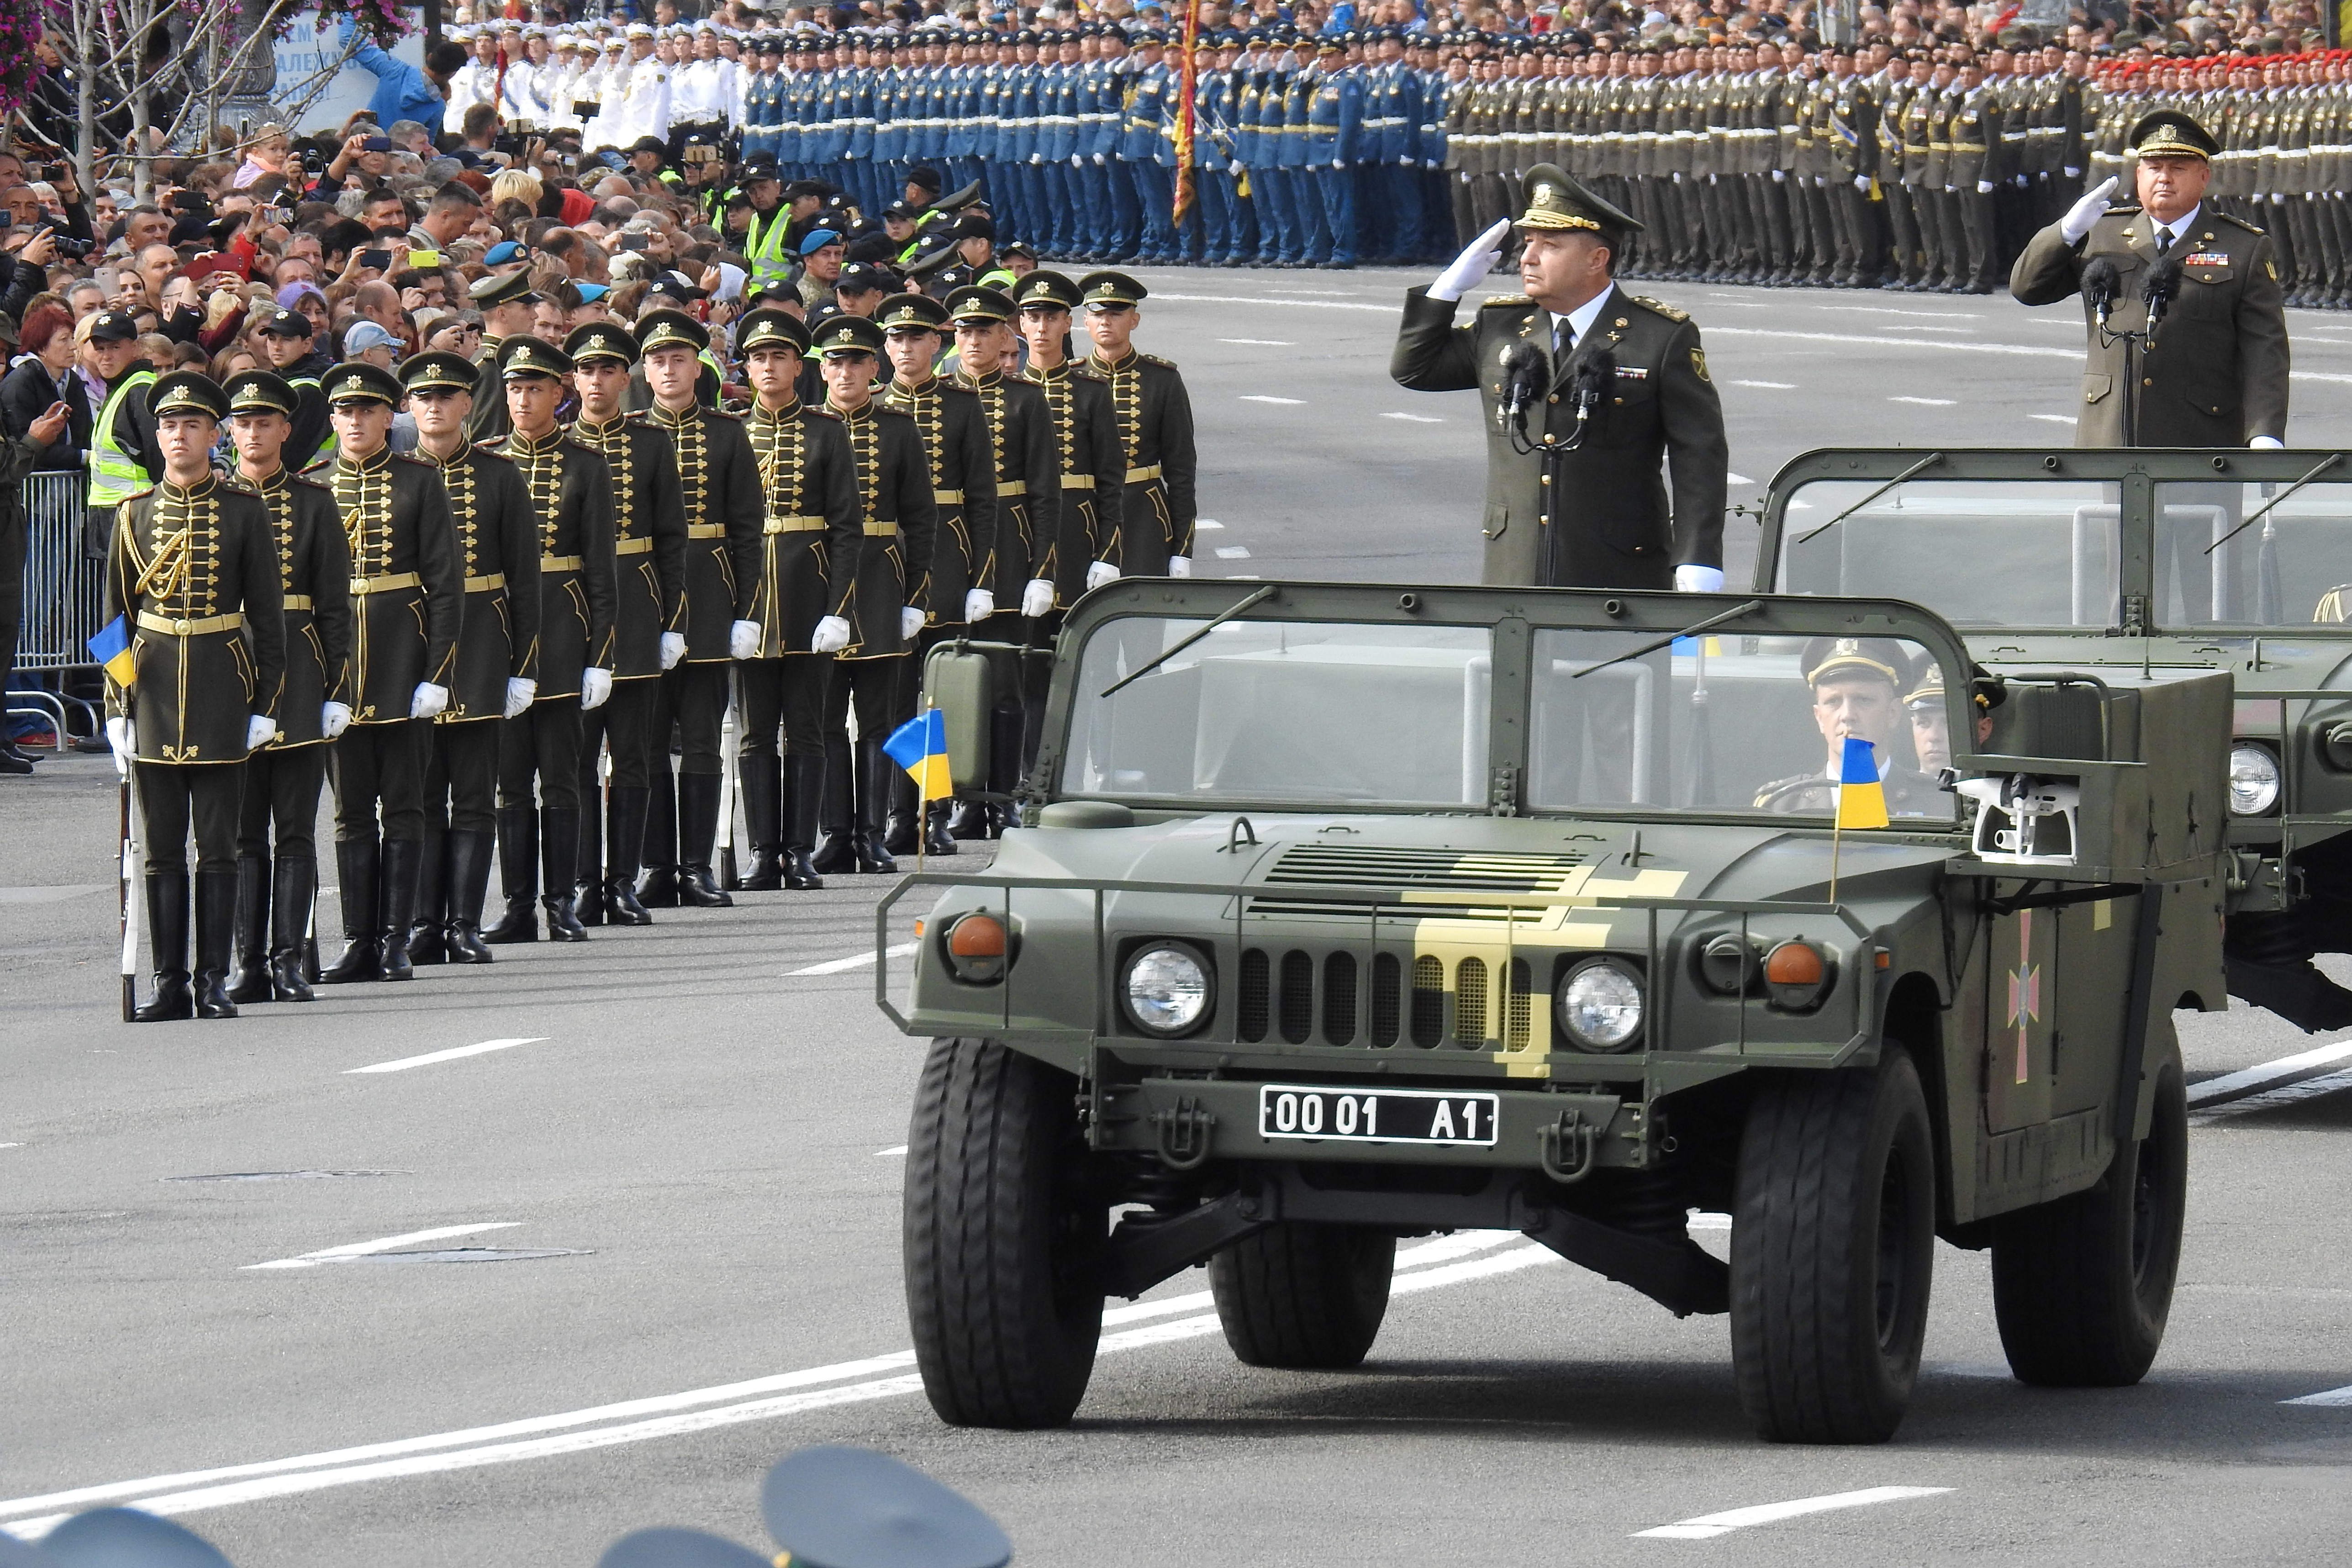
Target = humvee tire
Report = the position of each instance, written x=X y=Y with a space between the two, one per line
x=2081 y=1287
x=1001 y=1242
x=1303 y=1295
x=1832 y=1245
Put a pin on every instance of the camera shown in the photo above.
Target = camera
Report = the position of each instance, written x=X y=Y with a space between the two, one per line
x=70 y=248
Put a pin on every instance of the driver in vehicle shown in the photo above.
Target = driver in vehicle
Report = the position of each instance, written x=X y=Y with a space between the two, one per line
x=1857 y=684
x=1931 y=725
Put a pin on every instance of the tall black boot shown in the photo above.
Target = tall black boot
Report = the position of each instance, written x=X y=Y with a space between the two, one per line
x=355 y=868
x=969 y=820
x=215 y=927
x=937 y=839
x=763 y=778
x=467 y=879
x=657 y=889
x=559 y=829
x=518 y=874
x=624 y=829
x=875 y=770
x=167 y=934
x=251 y=982
x=403 y=865
x=800 y=828
x=837 y=853
x=906 y=811
x=427 y=943
x=292 y=889
x=588 y=863
x=698 y=830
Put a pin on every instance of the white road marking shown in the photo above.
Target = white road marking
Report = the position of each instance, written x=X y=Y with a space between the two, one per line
x=11 y=1145
x=1737 y=479
x=1201 y=522
x=1925 y=401
x=2273 y=1098
x=2054 y=419
x=2267 y=1073
x=1701 y=1220
x=49 y=895
x=327 y=1254
x=2331 y=1398
x=1232 y=553
x=896 y=1152
x=855 y=961
x=1285 y=402
x=1769 y=385
x=405 y=1063
x=1708 y=1526
x=1890 y=311
x=1259 y=343
x=1415 y=418
x=664 y=1415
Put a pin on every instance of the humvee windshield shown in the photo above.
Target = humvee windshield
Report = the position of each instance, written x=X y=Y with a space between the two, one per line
x=1325 y=713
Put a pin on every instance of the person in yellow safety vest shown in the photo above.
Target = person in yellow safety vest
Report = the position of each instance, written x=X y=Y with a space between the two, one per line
x=767 y=244
x=123 y=460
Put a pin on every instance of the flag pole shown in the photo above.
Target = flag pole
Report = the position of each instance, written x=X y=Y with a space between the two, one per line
x=1837 y=835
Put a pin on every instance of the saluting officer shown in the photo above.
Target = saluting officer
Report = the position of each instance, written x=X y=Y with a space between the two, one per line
x=497 y=672
x=282 y=780
x=409 y=585
x=193 y=570
x=1857 y=685
x=1154 y=415
x=813 y=536
x=1610 y=385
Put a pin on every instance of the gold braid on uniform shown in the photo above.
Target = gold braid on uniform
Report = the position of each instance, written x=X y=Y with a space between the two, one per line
x=277 y=494
x=457 y=478
x=612 y=438
x=929 y=411
x=541 y=463
x=1061 y=396
x=686 y=433
x=779 y=446
x=866 y=452
x=185 y=563
x=990 y=389
x=363 y=496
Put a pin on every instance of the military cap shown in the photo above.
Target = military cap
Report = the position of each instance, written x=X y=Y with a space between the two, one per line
x=259 y=392
x=121 y=327
x=1012 y=249
x=863 y=278
x=1554 y=201
x=648 y=144
x=975 y=306
x=1987 y=692
x=846 y=334
x=770 y=330
x=852 y=1508
x=911 y=313
x=501 y=289
x=360 y=382
x=1879 y=659
x=602 y=340
x=1108 y=291
x=1328 y=45
x=1045 y=290
x=187 y=391
x=523 y=357
x=671 y=329
x=759 y=166
x=817 y=239
x=277 y=325
x=439 y=371
x=2168 y=133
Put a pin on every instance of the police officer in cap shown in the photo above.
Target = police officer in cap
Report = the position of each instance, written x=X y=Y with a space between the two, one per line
x=1857 y=685
x=1587 y=391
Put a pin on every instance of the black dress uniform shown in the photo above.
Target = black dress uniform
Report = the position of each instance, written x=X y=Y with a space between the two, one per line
x=812 y=539
x=194 y=572
x=498 y=642
x=718 y=485
x=1574 y=503
x=1870 y=661
x=1089 y=458
x=1154 y=415
x=282 y=780
x=408 y=587
x=649 y=600
x=570 y=490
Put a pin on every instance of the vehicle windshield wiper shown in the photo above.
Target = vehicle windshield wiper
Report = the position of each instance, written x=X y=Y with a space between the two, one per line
x=1180 y=645
x=1905 y=477
x=2326 y=463
x=1668 y=641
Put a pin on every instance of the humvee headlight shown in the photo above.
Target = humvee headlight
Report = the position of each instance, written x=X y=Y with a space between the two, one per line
x=1797 y=975
x=976 y=948
x=1599 y=1005
x=2253 y=779
x=1167 y=989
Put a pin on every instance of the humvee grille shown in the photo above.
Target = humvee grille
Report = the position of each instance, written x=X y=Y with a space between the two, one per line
x=1284 y=994
x=1470 y=1000
x=1388 y=980
x=1254 y=996
x=1297 y=997
x=1428 y=1000
x=1309 y=866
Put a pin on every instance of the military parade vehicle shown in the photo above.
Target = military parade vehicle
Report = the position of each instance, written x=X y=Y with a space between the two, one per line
x=2152 y=562
x=1348 y=912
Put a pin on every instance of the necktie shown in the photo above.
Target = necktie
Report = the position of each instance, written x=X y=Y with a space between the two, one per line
x=2163 y=239
x=1563 y=340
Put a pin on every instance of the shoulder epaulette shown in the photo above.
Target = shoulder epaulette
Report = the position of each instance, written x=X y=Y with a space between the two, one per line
x=2242 y=223
x=317 y=465
x=419 y=462
x=240 y=484
x=821 y=413
x=492 y=454
x=305 y=480
x=134 y=495
x=1660 y=307
x=1501 y=302
x=1162 y=364
x=724 y=413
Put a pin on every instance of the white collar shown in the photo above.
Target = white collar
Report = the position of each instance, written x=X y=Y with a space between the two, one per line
x=1580 y=321
x=2179 y=231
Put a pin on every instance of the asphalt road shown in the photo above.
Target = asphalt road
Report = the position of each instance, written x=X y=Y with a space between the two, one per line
x=692 y=1162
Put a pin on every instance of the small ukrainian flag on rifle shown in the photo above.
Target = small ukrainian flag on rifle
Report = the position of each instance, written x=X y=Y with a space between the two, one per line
x=111 y=647
x=921 y=746
x=1861 y=799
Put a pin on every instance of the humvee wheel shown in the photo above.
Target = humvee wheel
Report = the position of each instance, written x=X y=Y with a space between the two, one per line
x=1832 y=1244
x=1301 y=1295
x=1002 y=1238
x=2081 y=1287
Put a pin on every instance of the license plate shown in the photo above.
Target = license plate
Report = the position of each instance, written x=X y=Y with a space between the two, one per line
x=1375 y=1116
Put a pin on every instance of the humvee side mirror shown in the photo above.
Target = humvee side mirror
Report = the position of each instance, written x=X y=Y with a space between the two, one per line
x=961 y=685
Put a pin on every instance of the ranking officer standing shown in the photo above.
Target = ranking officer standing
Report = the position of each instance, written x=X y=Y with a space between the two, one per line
x=2214 y=372
x=1586 y=391
x=1154 y=415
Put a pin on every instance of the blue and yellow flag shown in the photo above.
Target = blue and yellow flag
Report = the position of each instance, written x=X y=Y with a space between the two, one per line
x=111 y=647
x=921 y=746
x=1862 y=799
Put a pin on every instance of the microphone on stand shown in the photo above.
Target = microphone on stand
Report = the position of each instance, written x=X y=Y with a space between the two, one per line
x=2101 y=282
x=1588 y=388
x=2163 y=282
x=1522 y=367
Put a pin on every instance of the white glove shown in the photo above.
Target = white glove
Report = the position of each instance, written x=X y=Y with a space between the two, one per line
x=1037 y=598
x=911 y=621
x=1101 y=573
x=520 y=694
x=1338 y=162
x=673 y=648
x=1984 y=187
x=2266 y=444
x=1036 y=157
x=742 y=641
x=428 y=700
x=979 y=605
x=2079 y=217
x=832 y=635
x=1099 y=160
x=2074 y=173
x=1076 y=161
x=334 y=718
x=1862 y=182
x=595 y=685
x=260 y=731
x=1235 y=169
x=1780 y=176
x=120 y=736
x=1180 y=566
x=1692 y=578
x=1472 y=265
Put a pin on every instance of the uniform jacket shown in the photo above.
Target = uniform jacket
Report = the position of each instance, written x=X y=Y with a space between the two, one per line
x=498 y=557
x=812 y=532
x=718 y=485
x=1154 y=415
x=406 y=580
x=1093 y=468
x=648 y=540
x=964 y=491
x=896 y=512
x=568 y=489
x=314 y=572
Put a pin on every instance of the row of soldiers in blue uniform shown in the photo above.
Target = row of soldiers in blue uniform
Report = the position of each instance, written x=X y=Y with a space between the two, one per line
x=1307 y=150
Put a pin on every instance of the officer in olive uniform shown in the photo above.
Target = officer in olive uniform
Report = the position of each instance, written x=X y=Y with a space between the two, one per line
x=497 y=673
x=1154 y=415
x=1857 y=684
x=2216 y=374
x=194 y=571
x=505 y=300
x=283 y=779
x=1609 y=387
x=409 y=585
x=812 y=538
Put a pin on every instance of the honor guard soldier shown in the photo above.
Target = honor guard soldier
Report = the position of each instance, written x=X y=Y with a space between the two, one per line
x=1586 y=391
x=497 y=660
x=282 y=780
x=407 y=586
x=194 y=572
x=2212 y=370
x=649 y=592
x=718 y=486
x=1857 y=684
x=812 y=538
x=963 y=535
x=1154 y=415
x=570 y=490
x=876 y=611
x=506 y=302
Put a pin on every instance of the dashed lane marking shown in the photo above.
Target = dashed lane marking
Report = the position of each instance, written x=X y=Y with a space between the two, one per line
x=1925 y=401
x=454 y=1053
x=1232 y=553
x=2329 y=1398
x=1415 y=418
x=1737 y=479
x=1769 y=385
x=2246 y=1080
x=2054 y=419
x=855 y=961
x=1285 y=402
x=1708 y=1526
x=1258 y=343
x=895 y=1151
x=327 y=1254
x=1206 y=522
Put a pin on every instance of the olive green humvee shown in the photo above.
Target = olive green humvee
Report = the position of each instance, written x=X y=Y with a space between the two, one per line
x=1350 y=912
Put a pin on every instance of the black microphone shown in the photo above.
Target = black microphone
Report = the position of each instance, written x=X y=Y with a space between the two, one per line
x=1596 y=377
x=2163 y=282
x=2101 y=282
x=1522 y=367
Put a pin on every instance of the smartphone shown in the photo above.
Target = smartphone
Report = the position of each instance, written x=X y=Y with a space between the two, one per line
x=378 y=259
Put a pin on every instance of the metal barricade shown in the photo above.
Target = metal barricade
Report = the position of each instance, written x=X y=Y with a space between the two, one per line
x=63 y=596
